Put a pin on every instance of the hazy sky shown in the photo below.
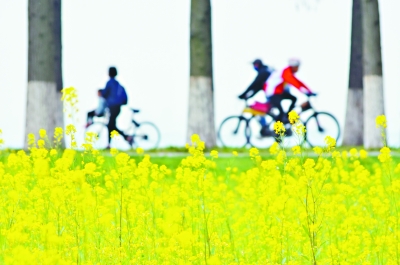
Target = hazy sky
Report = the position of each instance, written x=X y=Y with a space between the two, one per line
x=148 y=41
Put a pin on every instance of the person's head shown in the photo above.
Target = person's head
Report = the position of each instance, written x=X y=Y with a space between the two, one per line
x=99 y=92
x=294 y=64
x=257 y=64
x=112 y=72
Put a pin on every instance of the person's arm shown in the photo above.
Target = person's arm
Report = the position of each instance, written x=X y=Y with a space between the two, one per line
x=106 y=91
x=289 y=78
x=256 y=85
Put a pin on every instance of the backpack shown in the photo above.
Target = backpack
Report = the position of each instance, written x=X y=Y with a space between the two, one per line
x=122 y=97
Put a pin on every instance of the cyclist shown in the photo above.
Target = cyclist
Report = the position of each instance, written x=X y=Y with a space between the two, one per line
x=259 y=82
x=114 y=102
x=277 y=89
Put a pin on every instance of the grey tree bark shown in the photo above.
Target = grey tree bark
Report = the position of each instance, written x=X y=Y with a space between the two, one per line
x=354 y=121
x=372 y=66
x=58 y=60
x=201 y=92
x=44 y=108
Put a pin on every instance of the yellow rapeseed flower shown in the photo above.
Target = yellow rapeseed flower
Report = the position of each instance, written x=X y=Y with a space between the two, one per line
x=113 y=151
x=41 y=143
x=274 y=148
x=114 y=134
x=31 y=140
x=70 y=129
x=363 y=154
x=296 y=150
x=254 y=152
x=381 y=121
x=330 y=143
x=318 y=150
x=293 y=117
x=234 y=153
x=195 y=138
x=42 y=133
x=279 y=128
x=384 y=155
x=214 y=154
x=139 y=151
x=53 y=152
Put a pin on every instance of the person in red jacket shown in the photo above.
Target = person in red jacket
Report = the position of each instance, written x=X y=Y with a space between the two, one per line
x=277 y=89
x=277 y=86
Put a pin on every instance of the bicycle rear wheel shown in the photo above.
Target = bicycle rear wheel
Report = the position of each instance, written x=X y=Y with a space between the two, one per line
x=146 y=136
x=320 y=125
x=102 y=133
x=232 y=132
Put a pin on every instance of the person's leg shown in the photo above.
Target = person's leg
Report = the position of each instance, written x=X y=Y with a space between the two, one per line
x=287 y=95
x=276 y=103
x=112 y=123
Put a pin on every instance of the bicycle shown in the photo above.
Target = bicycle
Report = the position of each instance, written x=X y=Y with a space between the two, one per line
x=244 y=129
x=145 y=134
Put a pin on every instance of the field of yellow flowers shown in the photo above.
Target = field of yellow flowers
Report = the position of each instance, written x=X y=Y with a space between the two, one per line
x=88 y=207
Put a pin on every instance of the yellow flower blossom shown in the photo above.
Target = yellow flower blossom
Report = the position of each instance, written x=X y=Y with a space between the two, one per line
x=41 y=143
x=363 y=154
x=330 y=143
x=274 y=148
x=384 y=155
x=296 y=150
x=279 y=128
x=113 y=151
x=114 y=134
x=214 y=154
x=42 y=133
x=381 y=121
x=293 y=117
x=139 y=151
x=318 y=150
x=254 y=152
x=70 y=129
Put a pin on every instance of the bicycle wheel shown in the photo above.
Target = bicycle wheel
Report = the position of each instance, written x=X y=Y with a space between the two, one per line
x=232 y=132
x=146 y=136
x=102 y=133
x=320 y=125
x=254 y=134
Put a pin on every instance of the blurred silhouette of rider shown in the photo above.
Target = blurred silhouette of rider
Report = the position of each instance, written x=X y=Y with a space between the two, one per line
x=114 y=103
x=277 y=87
x=259 y=82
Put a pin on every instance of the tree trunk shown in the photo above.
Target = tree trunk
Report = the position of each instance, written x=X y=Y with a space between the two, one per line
x=372 y=66
x=44 y=67
x=59 y=112
x=201 y=94
x=354 y=124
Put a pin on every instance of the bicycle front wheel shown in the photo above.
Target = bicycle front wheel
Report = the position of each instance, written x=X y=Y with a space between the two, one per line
x=146 y=136
x=232 y=132
x=319 y=126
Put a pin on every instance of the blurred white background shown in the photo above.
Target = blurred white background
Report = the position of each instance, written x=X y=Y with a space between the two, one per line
x=148 y=41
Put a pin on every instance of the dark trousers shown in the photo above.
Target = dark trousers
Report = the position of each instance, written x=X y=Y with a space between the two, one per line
x=112 y=123
x=90 y=116
x=276 y=100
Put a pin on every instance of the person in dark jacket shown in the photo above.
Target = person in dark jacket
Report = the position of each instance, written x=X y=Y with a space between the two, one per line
x=257 y=85
x=259 y=82
x=113 y=104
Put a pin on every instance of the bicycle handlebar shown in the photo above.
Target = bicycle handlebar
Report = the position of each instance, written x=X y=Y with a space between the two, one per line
x=135 y=110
